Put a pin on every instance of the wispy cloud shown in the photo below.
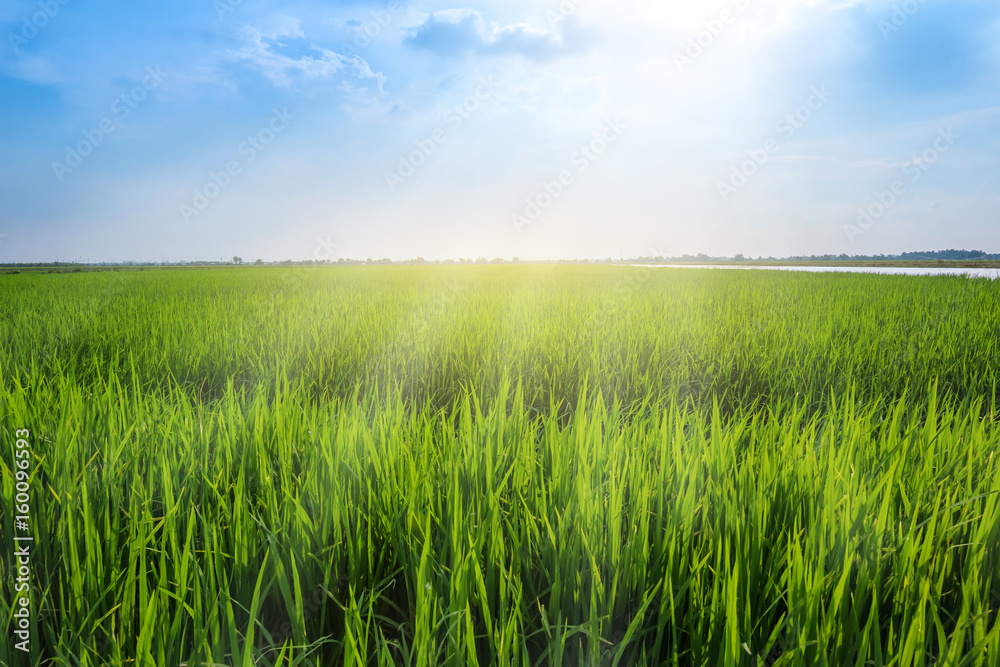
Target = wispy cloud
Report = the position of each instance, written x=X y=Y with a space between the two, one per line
x=458 y=32
x=286 y=59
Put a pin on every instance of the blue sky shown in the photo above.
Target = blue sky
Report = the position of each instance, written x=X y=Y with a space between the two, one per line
x=582 y=128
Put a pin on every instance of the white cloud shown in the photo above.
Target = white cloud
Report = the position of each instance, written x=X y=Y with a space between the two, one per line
x=455 y=32
x=261 y=53
x=363 y=70
x=33 y=69
x=281 y=25
x=281 y=69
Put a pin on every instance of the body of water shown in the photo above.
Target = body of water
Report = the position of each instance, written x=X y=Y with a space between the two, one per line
x=992 y=274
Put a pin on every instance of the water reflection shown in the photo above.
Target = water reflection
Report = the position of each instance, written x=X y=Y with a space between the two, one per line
x=991 y=274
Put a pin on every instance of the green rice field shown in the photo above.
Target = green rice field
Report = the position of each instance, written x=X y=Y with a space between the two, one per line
x=502 y=465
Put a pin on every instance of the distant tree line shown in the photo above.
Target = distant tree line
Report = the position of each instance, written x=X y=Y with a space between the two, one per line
x=930 y=255
x=946 y=255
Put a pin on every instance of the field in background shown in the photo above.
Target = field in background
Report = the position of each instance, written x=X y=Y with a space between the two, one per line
x=506 y=465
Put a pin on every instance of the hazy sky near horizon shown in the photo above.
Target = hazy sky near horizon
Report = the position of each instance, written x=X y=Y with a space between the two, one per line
x=546 y=129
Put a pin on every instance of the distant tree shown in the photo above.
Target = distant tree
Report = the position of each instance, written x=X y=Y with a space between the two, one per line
x=237 y=260
x=740 y=258
x=259 y=261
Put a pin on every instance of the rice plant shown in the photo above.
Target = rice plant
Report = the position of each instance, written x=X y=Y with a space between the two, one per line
x=505 y=465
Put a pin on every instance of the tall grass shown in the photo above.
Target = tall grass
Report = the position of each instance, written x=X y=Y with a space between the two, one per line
x=517 y=466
